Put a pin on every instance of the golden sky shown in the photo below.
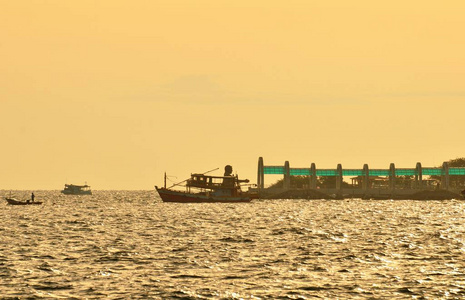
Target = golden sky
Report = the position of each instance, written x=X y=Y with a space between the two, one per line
x=116 y=92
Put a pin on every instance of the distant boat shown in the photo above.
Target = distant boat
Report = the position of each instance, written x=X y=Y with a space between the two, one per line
x=201 y=188
x=13 y=201
x=72 y=189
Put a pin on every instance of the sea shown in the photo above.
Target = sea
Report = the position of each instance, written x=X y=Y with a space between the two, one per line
x=131 y=245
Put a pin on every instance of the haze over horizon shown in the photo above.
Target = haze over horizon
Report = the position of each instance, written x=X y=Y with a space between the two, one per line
x=115 y=93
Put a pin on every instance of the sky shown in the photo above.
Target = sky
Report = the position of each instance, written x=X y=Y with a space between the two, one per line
x=116 y=92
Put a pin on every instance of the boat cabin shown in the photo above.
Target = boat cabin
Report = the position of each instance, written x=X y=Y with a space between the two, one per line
x=219 y=185
x=213 y=182
x=72 y=189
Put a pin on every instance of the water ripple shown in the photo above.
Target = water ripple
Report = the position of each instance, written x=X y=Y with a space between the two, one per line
x=128 y=244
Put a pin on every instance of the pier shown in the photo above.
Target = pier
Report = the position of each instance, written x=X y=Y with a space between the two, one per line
x=363 y=179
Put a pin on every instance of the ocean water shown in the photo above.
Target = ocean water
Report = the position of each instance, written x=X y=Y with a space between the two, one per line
x=128 y=244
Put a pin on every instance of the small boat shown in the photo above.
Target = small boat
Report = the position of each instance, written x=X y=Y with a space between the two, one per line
x=13 y=201
x=201 y=188
x=73 y=189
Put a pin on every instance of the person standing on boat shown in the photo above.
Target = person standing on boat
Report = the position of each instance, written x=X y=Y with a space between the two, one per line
x=32 y=197
x=228 y=170
x=228 y=180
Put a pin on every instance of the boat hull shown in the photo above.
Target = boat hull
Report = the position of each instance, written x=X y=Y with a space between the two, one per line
x=167 y=195
x=13 y=201
x=76 y=193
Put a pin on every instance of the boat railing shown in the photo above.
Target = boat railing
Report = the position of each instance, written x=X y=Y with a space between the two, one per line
x=210 y=185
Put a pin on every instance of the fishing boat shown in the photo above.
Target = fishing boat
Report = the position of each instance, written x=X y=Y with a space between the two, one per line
x=201 y=188
x=13 y=201
x=73 y=189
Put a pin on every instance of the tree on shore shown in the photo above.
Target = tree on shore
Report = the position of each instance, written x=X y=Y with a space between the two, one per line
x=304 y=182
x=454 y=180
x=405 y=181
x=329 y=182
x=296 y=182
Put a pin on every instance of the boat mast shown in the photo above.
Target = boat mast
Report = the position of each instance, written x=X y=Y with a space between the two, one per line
x=209 y=171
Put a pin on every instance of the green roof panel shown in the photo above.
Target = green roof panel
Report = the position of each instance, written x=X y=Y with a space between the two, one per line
x=299 y=171
x=273 y=170
x=406 y=172
x=378 y=172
